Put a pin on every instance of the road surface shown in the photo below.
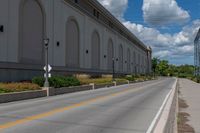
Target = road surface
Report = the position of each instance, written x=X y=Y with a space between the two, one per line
x=122 y=109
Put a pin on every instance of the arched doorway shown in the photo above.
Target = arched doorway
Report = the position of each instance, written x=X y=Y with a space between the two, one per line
x=110 y=53
x=121 y=58
x=72 y=44
x=95 y=42
x=31 y=32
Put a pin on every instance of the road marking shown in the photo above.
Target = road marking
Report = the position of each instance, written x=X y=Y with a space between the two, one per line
x=59 y=110
x=153 y=123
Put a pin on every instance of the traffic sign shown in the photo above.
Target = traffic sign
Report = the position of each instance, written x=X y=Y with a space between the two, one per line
x=49 y=68
x=49 y=75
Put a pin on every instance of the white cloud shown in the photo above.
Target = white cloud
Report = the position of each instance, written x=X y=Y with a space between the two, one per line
x=116 y=7
x=167 y=45
x=161 y=12
x=186 y=49
x=181 y=38
x=162 y=54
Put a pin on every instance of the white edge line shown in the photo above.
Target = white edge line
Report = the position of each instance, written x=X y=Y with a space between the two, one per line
x=153 y=123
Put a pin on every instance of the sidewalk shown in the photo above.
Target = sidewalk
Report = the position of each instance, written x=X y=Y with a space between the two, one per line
x=190 y=92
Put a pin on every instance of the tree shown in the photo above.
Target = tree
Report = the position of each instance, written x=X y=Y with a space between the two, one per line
x=163 y=67
x=155 y=62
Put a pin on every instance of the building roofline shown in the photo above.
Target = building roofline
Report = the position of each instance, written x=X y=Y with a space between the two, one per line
x=117 y=22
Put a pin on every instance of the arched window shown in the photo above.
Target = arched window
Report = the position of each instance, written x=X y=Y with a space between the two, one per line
x=128 y=60
x=95 y=42
x=72 y=44
x=110 y=53
x=121 y=58
x=31 y=32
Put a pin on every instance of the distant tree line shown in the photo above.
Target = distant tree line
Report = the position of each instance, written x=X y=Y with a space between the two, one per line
x=163 y=68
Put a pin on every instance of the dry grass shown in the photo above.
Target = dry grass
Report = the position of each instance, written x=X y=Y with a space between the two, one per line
x=95 y=80
x=183 y=127
x=17 y=87
x=182 y=103
x=104 y=80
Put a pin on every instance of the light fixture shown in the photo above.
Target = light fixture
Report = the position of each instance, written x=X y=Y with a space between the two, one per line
x=1 y=28
x=46 y=41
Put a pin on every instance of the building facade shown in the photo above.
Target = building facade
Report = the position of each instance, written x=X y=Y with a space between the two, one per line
x=197 y=54
x=84 y=38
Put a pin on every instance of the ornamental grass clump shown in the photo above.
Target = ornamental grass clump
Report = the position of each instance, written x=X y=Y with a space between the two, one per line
x=18 y=87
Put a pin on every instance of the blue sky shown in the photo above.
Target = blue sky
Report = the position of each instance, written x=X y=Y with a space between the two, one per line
x=168 y=26
x=134 y=13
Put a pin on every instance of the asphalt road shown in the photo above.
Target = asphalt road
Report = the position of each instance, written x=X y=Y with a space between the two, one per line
x=122 y=109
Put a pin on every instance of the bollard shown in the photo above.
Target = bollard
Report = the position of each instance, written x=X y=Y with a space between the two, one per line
x=115 y=83
x=128 y=81
x=47 y=90
x=92 y=84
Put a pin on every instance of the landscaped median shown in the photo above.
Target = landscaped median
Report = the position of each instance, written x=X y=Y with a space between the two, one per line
x=20 y=91
x=59 y=85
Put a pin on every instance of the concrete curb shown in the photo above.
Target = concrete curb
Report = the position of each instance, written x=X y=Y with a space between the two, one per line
x=65 y=90
x=167 y=121
x=17 y=96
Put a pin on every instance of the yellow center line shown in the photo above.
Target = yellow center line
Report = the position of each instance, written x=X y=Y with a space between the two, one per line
x=59 y=110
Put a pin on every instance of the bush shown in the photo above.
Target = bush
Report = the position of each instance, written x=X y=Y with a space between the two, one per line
x=38 y=80
x=185 y=75
x=5 y=90
x=58 y=81
x=130 y=78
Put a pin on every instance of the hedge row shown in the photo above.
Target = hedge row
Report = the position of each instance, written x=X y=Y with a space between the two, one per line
x=57 y=81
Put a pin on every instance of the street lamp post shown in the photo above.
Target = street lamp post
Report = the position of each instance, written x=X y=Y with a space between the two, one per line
x=113 y=66
x=198 y=74
x=136 y=69
x=46 y=43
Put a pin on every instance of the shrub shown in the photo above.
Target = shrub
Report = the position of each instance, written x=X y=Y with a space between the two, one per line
x=184 y=75
x=130 y=78
x=5 y=90
x=58 y=81
x=73 y=81
x=38 y=80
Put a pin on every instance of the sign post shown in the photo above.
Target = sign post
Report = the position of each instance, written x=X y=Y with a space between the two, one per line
x=46 y=68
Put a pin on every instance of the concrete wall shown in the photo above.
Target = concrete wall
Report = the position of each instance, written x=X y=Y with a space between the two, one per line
x=56 y=15
x=21 y=96
x=65 y=90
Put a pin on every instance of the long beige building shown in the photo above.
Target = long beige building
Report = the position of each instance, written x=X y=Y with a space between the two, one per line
x=84 y=38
